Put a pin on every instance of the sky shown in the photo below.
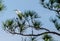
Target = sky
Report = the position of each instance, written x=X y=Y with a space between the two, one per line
x=24 y=5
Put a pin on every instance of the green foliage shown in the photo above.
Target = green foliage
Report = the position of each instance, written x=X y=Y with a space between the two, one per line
x=8 y=23
x=32 y=14
x=47 y=37
x=51 y=1
x=54 y=20
x=20 y=16
x=33 y=38
x=57 y=26
x=36 y=25
x=26 y=13
x=8 y=26
x=51 y=4
x=58 y=1
x=2 y=6
x=21 y=26
x=58 y=16
x=21 y=22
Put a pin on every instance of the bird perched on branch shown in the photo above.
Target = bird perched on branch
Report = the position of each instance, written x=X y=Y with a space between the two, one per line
x=19 y=13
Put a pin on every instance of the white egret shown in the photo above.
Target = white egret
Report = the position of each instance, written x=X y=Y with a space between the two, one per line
x=19 y=13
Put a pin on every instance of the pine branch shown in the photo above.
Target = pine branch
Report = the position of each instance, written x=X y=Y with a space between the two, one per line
x=36 y=34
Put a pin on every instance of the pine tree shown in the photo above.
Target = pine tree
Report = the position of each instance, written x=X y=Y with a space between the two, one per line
x=25 y=19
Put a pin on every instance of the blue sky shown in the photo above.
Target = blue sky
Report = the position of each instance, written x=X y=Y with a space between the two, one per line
x=23 y=5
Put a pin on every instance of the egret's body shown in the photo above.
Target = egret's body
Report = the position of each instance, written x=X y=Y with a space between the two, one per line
x=18 y=11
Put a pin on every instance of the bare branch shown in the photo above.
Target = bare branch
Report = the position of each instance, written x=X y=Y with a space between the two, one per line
x=36 y=34
x=44 y=29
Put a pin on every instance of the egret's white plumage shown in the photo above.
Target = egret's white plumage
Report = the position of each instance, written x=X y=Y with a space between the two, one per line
x=18 y=11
